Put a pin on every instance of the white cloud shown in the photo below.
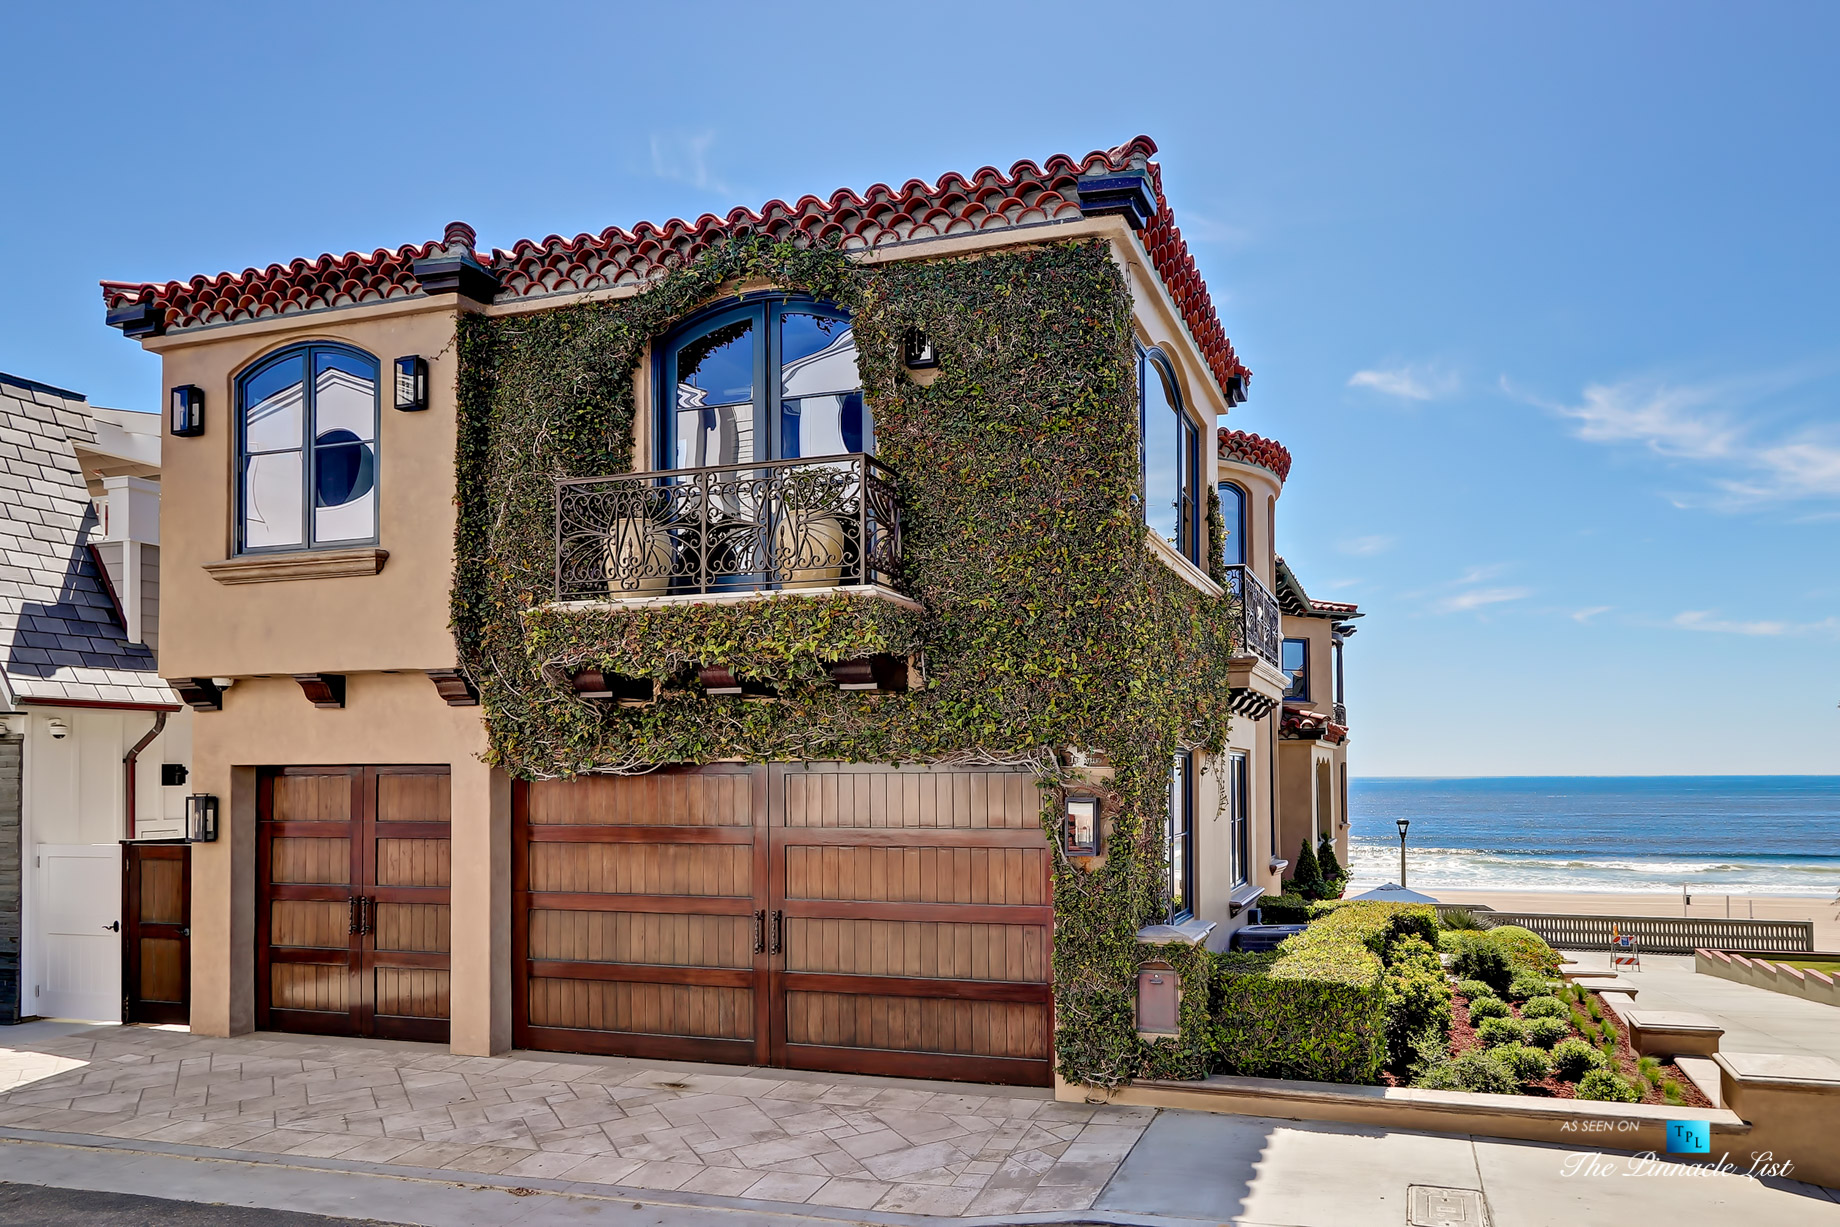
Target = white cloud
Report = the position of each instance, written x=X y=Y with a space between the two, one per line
x=1364 y=547
x=1478 y=598
x=1410 y=382
x=1706 y=620
x=1585 y=615
x=683 y=157
x=1695 y=425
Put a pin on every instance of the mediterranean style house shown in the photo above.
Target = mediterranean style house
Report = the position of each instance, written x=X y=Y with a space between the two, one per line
x=803 y=637
x=93 y=745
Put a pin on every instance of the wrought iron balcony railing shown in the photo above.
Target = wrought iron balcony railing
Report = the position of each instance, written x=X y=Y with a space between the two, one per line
x=1261 y=626
x=773 y=525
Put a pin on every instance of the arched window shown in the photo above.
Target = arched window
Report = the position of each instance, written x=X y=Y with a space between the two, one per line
x=1234 y=551
x=307 y=446
x=1170 y=459
x=769 y=378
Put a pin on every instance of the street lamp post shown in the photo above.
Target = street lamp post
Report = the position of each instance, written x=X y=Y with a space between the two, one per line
x=1403 y=824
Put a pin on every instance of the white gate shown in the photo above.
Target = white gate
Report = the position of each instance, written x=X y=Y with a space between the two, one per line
x=78 y=972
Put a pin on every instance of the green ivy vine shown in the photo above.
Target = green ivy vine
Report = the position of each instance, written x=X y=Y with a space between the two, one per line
x=1048 y=623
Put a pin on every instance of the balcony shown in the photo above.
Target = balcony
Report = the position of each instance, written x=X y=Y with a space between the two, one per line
x=728 y=531
x=1255 y=675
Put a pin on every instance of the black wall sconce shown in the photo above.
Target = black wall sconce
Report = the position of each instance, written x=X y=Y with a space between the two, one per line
x=411 y=383
x=917 y=351
x=188 y=411
x=1080 y=833
x=173 y=775
x=201 y=818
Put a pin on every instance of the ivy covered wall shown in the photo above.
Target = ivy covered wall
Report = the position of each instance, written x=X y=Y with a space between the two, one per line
x=1048 y=623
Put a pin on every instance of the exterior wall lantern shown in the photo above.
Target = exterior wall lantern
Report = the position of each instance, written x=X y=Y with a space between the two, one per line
x=1080 y=833
x=201 y=818
x=1159 y=1001
x=411 y=383
x=188 y=411
x=917 y=351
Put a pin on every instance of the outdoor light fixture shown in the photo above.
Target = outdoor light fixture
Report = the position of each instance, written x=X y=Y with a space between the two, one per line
x=188 y=411
x=411 y=383
x=1402 y=823
x=917 y=351
x=1080 y=825
x=201 y=818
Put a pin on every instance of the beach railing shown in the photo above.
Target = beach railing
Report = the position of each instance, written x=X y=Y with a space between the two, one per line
x=1659 y=934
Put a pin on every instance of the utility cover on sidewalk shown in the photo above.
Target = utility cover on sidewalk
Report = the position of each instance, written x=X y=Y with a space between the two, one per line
x=1429 y=1205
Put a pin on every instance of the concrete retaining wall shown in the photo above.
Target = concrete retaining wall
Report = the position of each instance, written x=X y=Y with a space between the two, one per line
x=1763 y=973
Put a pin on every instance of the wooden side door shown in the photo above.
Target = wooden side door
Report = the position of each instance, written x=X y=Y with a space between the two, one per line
x=156 y=933
x=911 y=923
x=404 y=913
x=309 y=871
x=638 y=915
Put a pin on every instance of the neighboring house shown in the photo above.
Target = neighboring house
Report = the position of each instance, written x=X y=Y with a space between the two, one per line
x=1296 y=760
x=793 y=638
x=95 y=743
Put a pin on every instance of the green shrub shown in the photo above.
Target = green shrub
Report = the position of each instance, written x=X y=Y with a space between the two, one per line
x=1462 y=920
x=1527 y=984
x=1284 y=910
x=1487 y=1007
x=1496 y=1031
x=1417 y=998
x=1526 y=1064
x=1574 y=1058
x=1334 y=878
x=1591 y=1004
x=1545 y=1032
x=1429 y=1048
x=1306 y=874
x=1546 y=1007
x=1317 y=1007
x=1478 y=958
x=1650 y=1069
x=1601 y=1084
x=1526 y=950
x=1474 y=989
x=1473 y=1071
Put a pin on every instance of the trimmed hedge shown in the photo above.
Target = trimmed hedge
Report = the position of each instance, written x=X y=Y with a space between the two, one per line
x=1526 y=950
x=1316 y=1008
x=1284 y=909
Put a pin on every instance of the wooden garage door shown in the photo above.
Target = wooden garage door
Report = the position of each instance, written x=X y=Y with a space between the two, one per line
x=824 y=916
x=352 y=921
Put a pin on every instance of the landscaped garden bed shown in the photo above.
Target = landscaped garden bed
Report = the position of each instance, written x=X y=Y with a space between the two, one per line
x=1364 y=996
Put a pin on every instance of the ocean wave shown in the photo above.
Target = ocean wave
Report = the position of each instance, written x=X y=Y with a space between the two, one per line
x=1464 y=868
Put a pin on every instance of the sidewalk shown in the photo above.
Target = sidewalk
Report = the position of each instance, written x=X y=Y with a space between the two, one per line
x=408 y=1134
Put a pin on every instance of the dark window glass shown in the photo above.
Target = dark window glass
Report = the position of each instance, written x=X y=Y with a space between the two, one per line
x=1170 y=458
x=1179 y=832
x=810 y=404
x=1297 y=664
x=1233 y=517
x=309 y=449
x=1239 y=803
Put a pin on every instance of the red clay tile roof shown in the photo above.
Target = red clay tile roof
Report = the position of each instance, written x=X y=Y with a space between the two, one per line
x=1334 y=606
x=987 y=199
x=1244 y=447
x=1300 y=723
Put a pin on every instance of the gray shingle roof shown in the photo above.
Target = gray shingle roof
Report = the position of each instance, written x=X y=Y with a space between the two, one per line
x=59 y=637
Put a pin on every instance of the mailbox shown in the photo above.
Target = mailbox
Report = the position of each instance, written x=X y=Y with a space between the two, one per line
x=1159 y=1000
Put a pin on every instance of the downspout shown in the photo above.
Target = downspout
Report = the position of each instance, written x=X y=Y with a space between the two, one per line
x=127 y=763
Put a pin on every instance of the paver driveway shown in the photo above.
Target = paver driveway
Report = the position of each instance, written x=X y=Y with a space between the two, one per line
x=833 y=1140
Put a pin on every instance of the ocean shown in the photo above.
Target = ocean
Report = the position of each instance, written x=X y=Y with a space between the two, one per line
x=1737 y=835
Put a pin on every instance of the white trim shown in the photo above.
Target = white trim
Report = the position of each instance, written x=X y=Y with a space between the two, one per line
x=1182 y=566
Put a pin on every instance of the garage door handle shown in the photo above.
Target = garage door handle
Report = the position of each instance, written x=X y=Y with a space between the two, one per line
x=760 y=932
x=779 y=932
x=114 y=926
x=353 y=925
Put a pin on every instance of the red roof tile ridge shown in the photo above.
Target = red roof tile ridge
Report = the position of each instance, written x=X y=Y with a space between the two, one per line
x=1244 y=447
x=989 y=198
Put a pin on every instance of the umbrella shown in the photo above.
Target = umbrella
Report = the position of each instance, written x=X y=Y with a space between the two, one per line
x=1392 y=892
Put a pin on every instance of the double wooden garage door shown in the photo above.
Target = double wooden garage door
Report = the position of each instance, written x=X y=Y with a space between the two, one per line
x=834 y=917
x=352 y=917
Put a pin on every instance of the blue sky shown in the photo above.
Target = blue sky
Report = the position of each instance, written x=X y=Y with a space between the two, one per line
x=1542 y=301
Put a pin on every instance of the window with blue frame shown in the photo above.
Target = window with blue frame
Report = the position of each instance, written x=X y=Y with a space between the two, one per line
x=1233 y=551
x=1296 y=662
x=770 y=378
x=1171 y=459
x=307 y=450
x=1239 y=802
x=1179 y=838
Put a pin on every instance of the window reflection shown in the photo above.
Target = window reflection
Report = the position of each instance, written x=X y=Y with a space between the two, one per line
x=1296 y=662
x=308 y=443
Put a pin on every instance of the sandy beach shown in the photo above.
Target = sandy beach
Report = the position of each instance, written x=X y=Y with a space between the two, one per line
x=1824 y=912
